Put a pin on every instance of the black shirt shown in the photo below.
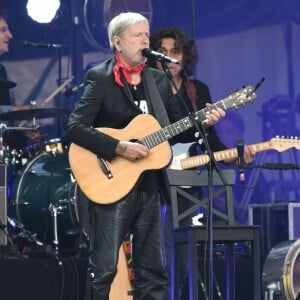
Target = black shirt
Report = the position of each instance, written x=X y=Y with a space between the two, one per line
x=149 y=179
x=5 y=98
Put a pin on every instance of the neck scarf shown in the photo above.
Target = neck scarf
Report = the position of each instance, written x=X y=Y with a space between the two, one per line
x=126 y=71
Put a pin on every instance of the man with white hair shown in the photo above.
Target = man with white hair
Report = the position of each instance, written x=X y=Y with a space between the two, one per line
x=117 y=91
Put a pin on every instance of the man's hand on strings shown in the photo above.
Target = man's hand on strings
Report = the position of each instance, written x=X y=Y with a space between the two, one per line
x=131 y=150
x=249 y=154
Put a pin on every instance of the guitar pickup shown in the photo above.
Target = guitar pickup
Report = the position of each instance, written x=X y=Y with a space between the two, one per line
x=104 y=167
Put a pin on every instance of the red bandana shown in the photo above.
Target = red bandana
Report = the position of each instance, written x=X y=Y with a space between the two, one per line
x=126 y=71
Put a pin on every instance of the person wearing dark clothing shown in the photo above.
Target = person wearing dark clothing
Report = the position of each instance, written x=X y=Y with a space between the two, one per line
x=5 y=37
x=117 y=91
x=190 y=95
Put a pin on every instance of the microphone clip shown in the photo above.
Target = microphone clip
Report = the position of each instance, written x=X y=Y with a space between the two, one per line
x=27 y=43
x=241 y=162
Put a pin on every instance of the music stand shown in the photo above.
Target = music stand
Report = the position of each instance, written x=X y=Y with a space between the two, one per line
x=193 y=235
x=178 y=179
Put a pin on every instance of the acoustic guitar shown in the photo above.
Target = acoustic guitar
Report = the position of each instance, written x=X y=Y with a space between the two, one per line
x=108 y=182
x=278 y=144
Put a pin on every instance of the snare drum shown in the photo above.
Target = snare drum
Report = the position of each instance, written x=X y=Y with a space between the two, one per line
x=44 y=182
x=281 y=271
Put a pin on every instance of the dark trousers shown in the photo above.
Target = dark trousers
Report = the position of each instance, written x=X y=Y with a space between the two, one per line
x=140 y=214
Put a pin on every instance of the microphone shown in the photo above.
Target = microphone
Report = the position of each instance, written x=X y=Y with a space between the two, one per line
x=159 y=56
x=241 y=162
x=40 y=44
x=74 y=89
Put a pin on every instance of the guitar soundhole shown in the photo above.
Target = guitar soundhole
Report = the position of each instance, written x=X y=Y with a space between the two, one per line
x=136 y=141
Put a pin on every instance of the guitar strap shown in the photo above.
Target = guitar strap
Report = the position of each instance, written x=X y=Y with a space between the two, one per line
x=191 y=92
x=155 y=98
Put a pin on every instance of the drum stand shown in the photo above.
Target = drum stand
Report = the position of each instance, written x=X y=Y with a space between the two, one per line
x=22 y=232
x=270 y=290
x=55 y=210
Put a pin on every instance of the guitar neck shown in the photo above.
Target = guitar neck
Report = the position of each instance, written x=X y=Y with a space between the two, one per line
x=166 y=133
x=200 y=160
x=176 y=128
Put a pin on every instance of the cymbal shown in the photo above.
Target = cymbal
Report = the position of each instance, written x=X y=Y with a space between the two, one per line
x=34 y=112
x=7 y=84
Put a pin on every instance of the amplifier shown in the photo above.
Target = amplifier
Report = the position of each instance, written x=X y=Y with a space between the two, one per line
x=3 y=204
x=279 y=222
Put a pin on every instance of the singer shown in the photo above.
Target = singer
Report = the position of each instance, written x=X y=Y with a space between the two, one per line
x=120 y=90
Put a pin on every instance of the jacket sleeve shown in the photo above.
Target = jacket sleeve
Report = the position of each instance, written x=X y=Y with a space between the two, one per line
x=80 y=128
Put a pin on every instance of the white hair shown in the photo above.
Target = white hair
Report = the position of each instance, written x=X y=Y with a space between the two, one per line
x=120 y=22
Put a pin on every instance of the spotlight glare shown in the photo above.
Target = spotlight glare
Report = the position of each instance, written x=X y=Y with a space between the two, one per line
x=42 y=11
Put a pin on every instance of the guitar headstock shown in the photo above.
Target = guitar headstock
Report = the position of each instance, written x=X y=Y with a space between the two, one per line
x=281 y=144
x=241 y=97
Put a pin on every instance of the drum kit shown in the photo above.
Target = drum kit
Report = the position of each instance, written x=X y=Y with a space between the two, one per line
x=41 y=191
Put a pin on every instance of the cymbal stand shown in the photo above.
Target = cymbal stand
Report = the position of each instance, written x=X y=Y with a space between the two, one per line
x=3 y=158
x=39 y=105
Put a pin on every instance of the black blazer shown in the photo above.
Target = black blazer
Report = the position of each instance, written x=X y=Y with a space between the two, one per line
x=106 y=104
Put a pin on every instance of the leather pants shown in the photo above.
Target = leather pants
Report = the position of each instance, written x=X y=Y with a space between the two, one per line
x=139 y=213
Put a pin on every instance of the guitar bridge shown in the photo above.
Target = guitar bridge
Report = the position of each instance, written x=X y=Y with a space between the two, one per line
x=104 y=167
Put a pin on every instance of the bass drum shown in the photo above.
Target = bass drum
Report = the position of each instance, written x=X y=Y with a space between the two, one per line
x=281 y=272
x=44 y=184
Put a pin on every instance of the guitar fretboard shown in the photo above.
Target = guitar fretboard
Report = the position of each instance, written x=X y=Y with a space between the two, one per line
x=279 y=144
x=166 y=133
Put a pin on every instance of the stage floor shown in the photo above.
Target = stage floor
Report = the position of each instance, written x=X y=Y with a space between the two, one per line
x=46 y=277
x=42 y=278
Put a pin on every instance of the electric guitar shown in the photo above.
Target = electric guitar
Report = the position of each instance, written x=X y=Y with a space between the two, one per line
x=108 y=182
x=278 y=144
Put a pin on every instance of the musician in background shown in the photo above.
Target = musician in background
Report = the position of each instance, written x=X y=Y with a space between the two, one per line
x=5 y=37
x=117 y=90
x=176 y=43
x=15 y=139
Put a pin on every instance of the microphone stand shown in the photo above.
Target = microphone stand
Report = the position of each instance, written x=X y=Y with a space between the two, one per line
x=212 y=165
